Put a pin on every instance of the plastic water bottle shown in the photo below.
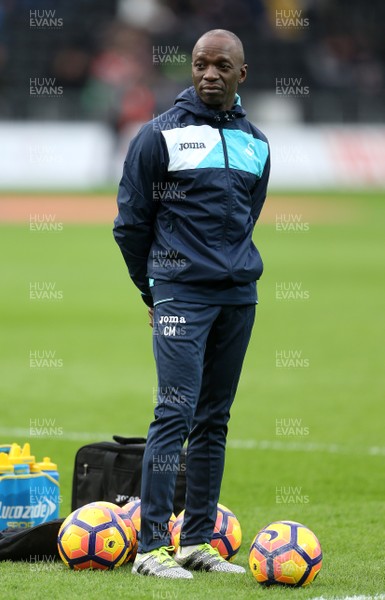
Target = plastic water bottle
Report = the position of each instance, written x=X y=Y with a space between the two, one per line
x=47 y=466
x=6 y=467
x=7 y=487
x=48 y=470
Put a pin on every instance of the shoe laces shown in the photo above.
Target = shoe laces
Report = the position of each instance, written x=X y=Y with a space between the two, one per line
x=210 y=550
x=162 y=554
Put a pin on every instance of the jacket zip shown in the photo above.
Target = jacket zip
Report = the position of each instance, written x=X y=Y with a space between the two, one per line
x=229 y=200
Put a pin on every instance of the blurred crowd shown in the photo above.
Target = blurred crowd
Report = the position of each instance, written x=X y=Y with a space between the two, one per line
x=122 y=61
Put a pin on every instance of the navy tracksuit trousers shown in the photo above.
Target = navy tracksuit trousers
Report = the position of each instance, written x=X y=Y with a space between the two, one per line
x=199 y=351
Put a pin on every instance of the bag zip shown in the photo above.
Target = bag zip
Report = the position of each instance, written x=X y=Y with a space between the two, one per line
x=87 y=468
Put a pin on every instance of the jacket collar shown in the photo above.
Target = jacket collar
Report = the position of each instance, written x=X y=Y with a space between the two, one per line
x=189 y=100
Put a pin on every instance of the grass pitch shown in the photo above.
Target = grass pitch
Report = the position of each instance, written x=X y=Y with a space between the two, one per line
x=306 y=436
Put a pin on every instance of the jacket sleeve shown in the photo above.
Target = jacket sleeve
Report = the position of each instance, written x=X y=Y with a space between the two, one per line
x=145 y=166
x=260 y=190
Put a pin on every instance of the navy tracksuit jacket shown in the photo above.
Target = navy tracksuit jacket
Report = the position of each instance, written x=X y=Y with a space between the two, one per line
x=193 y=186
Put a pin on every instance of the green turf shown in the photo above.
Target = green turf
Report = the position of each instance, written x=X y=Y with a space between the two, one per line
x=105 y=386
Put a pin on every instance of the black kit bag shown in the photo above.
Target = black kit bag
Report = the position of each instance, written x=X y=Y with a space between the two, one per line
x=112 y=471
x=32 y=544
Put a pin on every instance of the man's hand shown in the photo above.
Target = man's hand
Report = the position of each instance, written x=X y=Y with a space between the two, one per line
x=151 y=315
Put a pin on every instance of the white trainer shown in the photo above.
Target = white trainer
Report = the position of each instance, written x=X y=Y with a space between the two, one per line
x=206 y=558
x=159 y=563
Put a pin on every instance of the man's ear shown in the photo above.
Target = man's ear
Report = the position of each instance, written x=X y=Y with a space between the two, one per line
x=243 y=73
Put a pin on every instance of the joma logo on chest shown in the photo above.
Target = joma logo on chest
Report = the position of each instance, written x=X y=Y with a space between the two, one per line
x=192 y=145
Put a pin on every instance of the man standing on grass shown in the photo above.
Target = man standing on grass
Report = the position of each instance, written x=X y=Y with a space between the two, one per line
x=193 y=186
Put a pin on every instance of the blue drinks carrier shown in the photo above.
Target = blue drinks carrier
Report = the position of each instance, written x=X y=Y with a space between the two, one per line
x=29 y=491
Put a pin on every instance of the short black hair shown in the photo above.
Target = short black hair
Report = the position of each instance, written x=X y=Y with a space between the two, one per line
x=225 y=33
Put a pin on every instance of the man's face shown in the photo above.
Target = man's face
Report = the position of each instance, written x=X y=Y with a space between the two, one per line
x=217 y=69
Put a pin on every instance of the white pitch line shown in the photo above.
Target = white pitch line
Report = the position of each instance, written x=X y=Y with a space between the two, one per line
x=276 y=445
x=295 y=446
x=360 y=597
x=68 y=436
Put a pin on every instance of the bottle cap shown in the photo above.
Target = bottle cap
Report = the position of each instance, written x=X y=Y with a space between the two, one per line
x=26 y=454
x=5 y=447
x=21 y=456
x=35 y=468
x=5 y=464
x=47 y=465
x=14 y=453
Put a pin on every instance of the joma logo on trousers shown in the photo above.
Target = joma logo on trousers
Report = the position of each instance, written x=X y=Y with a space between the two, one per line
x=171 y=319
x=193 y=145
